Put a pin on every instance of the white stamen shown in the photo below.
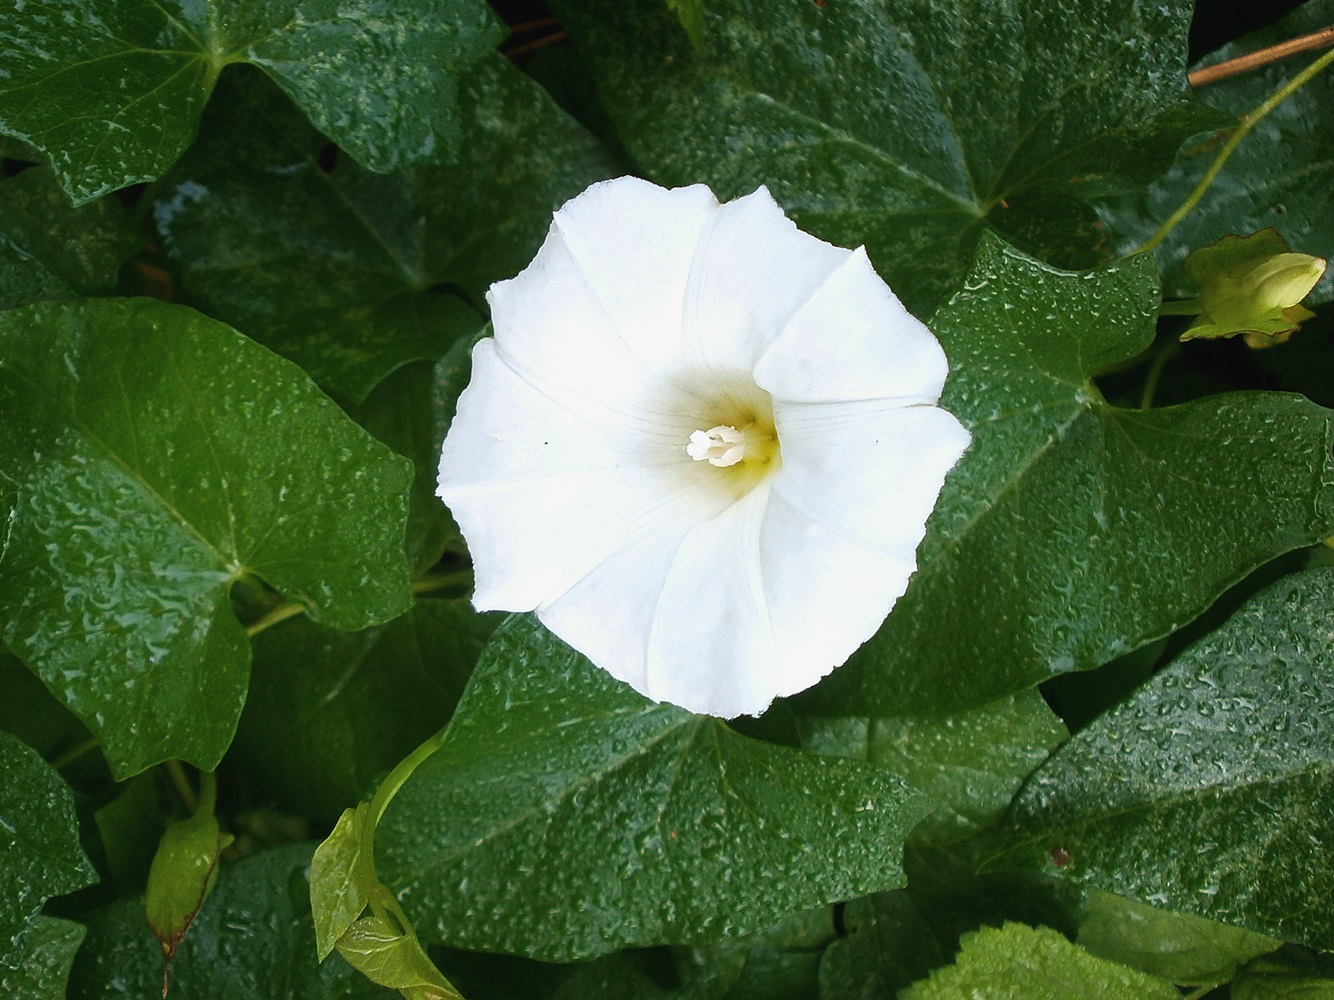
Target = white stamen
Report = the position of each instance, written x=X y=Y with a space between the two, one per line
x=722 y=446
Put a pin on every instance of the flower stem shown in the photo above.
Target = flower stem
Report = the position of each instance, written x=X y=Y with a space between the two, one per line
x=1181 y=307
x=74 y=753
x=181 y=786
x=429 y=583
x=1247 y=122
x=1155 y=373
x=1262 y=57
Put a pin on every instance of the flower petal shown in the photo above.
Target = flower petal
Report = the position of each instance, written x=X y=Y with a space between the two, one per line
x=827 y=595
x=635 y=243
x=867 y=471
x=851 y=340
x=753 y=270
x=544 y=495
x=711 y=649
x=553 y=329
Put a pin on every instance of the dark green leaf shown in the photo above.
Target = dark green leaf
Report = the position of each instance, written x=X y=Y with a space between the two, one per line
x=1286 y=977
x=253 y=939
x=1071 y=531
x=1015 y=962
x=130 y=826
x=112 y=93
x=775 y=964
x=971 y=763
x=910 y=127
x=1282 y=174
x=40 y=854
x=49 y=250
x=51 y=946
x=143 y=483
x=613 y=821
x=350 y=273
x=887 y=945
x=1210 y=791
x=329 y=713
x=1178 y=947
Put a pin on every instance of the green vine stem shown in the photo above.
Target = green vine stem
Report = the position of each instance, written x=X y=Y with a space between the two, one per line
x=1245 y=125
x=180 y=784
x=383 y=901
x=273 y=616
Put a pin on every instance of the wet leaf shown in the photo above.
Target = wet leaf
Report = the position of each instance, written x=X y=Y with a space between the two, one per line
x=909 y=127
x=1070 y=531
x=1034 y=963
x=40 y=854
x=613 y=821
x=342 y=879
x=378 y=951
x=353 y=274
x=143 y=483
x=182 y=875
x=1211 y=790
x=112 y=93
x=42 y=975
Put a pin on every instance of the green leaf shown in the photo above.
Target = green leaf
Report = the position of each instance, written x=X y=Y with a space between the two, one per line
x=50 y=250
x=909 y=127
x=342 y=879
x=1070 y=533
x=377 y=950
x=254 y=939
x=1282 y=174
x=143 y=483
x=350 y=273
x=40 y=854
x=182 y=875
x=130 y=827
x=1015 y=962
x=782 y=961
x=329 y=713
x=1211 y=790
x=50 y=950
x=1286 y=977
x=971 y=763
x=614 y=821
x=887 y=944
x=1178 y=947
x=112 y=93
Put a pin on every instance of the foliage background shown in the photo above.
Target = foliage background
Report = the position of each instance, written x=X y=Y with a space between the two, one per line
x=243 y=257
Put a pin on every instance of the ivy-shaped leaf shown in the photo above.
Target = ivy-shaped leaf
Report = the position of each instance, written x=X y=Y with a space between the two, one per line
x=910 y=127
x=1070 y=531
x=349 y=273
x=152 y=457
x=40 y=854
x=566 y=816
x=1281 y=176
x=112 y=92
x=1211 y=790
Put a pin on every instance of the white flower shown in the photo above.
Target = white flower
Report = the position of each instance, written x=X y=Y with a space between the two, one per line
x=702 y=445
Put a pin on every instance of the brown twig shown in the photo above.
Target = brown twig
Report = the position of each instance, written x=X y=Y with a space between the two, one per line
x=546 y=22
x=1254 y=60
x=537 y=43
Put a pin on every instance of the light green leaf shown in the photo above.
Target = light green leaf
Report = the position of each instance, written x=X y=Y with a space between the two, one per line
x=1291 y=977
x=254 y=939
x=329 y=713
x=1282 y=174
x=1015 y=962
x=379 y=952
x=50 y=250
x=1211 y=790
x=349 y=273
x=40 y=854
x=143 y=483
x=111 y=92
x=1178 y=947
x=971 y=763
x=887 y=944
x=613 y=821
x=51 y=945
x=1071 y=530
x=910 y=127
x=342 y=879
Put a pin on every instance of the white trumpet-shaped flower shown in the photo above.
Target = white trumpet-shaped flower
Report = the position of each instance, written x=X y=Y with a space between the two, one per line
x=702 y=445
